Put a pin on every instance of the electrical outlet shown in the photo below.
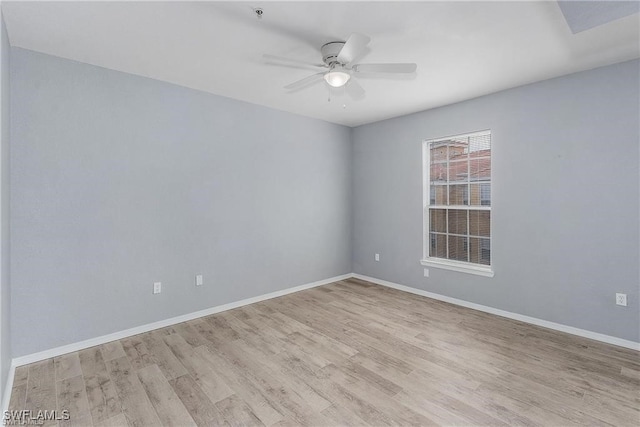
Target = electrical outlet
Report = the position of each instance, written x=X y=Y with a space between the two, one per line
x=157 y=287
x=199 y=280
x=621 y=299
x=426 y=272
x=377 y=257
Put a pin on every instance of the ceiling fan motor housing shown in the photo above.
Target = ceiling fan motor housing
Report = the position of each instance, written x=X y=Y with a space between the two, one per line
x=330 y=52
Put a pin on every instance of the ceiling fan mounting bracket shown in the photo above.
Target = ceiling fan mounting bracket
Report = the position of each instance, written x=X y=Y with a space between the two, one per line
x=330 y=52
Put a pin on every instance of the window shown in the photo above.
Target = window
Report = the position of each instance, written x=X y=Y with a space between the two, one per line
x=485 y=250
x=485 y=194
x=457 y=212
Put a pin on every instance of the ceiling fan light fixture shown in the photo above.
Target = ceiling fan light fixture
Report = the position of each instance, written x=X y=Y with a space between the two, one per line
x=337 y=78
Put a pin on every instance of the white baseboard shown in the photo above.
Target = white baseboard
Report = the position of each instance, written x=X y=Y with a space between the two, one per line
x=70 y=348
x=502 y=313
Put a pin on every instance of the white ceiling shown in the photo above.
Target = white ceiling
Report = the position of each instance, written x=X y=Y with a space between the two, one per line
x=463 y=49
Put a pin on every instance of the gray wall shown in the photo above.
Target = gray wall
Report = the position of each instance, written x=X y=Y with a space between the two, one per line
x=119 y=181
x=565 y=199
x=5 y=290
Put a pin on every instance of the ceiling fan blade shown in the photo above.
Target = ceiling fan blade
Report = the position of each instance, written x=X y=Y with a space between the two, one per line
x=353 y=47
x=288 y=62
x=385 y=68
x=307 y=81
x=354 y=90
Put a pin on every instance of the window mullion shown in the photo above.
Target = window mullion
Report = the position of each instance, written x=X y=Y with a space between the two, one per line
x=446 y=212
x=468 y=199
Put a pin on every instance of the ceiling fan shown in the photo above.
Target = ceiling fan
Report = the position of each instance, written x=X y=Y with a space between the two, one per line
x=338 y=68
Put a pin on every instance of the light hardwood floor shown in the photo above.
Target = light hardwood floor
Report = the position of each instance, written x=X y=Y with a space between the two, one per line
x=349 y=353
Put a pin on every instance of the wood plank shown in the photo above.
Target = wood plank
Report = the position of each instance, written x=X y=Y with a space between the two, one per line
x=18 y=397
x=285 y=373
x=279 y=321
x=340 y=394
x=104 y=402
x=431 y=408
x=456 y=396
x=72 y=397
x=631 y=373
x=221 y=326
x=190 y=335
x=202 y=410
x=374 y=380
x=102 y=396
x=612 y=409
x=91 y=361
x=117 y=421
x=319 y=349
x=237 y=413
x=137 y=351
x=207 y=378
x=340 y=416
x=21 y=375
x=381 y=364
x=265 y=343
x=135 y=402
x=41 y=389
x=112 y=350
x=67 y=366
x=362 y=389
x=244 y=388
x=162 y=355
x=168 y=405
x=564 y=408
x=287 y=401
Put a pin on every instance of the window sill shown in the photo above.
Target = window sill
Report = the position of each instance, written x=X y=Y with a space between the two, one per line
x=458 y=266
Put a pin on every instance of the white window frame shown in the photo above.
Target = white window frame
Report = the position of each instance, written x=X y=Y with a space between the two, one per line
x=447 y=264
